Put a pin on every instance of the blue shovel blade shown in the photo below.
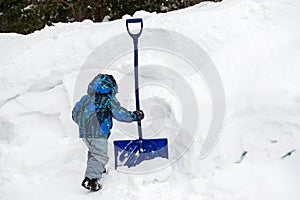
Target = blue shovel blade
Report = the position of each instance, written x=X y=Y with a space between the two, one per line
x=132 y=152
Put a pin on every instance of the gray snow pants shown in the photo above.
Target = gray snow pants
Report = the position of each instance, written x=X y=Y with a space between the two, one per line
x=97 y=156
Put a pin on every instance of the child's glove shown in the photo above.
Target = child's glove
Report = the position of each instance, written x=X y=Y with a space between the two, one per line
x=139 y=115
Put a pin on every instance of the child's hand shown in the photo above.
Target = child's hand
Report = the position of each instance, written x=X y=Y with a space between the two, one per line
x=139 y=115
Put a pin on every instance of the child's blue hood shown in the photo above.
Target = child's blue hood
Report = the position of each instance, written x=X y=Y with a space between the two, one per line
x=103 y=84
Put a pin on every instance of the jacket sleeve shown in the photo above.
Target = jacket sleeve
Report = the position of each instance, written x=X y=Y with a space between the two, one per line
x=77 y=110
x=120 y=113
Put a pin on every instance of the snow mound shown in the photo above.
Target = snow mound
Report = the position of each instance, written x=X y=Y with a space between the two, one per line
x=255 y=47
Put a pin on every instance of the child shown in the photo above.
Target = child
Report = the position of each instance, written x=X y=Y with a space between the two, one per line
x=93 y=114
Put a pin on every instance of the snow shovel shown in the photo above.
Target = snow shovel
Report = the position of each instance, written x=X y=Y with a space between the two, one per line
x=132 y=152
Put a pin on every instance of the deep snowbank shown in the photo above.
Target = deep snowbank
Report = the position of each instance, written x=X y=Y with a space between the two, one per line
x=254 y=45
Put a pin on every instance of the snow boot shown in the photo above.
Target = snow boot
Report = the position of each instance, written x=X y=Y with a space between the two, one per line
x=95 y=185
x=91 y=184
x=86 y=183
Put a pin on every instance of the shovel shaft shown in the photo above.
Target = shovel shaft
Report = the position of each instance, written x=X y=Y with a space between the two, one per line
x=136 y=81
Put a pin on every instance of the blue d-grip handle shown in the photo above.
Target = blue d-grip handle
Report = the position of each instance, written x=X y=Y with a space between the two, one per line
x=134 y=20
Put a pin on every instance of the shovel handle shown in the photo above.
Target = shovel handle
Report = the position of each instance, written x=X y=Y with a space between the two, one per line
x=135 y=37
x=134 y=20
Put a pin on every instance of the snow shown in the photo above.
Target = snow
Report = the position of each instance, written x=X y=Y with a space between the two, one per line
x=255 y=46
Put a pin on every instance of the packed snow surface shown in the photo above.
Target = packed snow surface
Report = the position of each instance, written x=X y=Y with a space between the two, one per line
x=255 y=46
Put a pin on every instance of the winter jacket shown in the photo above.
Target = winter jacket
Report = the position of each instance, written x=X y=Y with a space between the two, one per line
x=94 y=112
